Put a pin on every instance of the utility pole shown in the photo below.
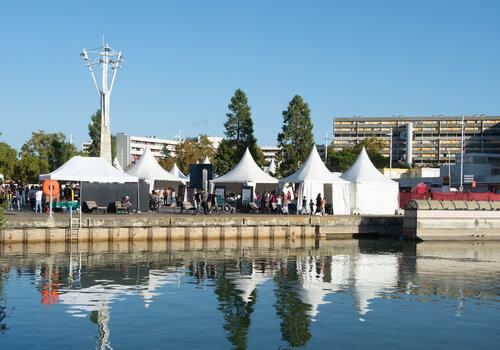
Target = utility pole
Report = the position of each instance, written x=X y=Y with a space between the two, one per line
x=327 y=138
x=390 y=153
x=110 y=61
x=461 y=189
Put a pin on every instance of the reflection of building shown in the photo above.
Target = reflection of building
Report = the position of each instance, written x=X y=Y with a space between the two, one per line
x=421 y=140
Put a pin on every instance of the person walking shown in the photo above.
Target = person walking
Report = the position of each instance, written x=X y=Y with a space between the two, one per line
x=38 y=200
x=318 y=203
x=197 y=201
x=311 y=207
x=204 y=201
x=19 y=197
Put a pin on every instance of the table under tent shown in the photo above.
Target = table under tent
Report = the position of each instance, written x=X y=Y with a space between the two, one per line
x=147 y=169
x=370 y=191
x=245 y=175
x=99 y=181
x=314 y=178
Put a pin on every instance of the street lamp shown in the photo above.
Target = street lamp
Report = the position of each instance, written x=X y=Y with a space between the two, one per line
x=390 y=153
x=327 y=138
x=106 y=61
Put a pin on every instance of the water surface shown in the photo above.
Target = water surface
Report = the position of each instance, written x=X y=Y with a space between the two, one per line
x=248 y=294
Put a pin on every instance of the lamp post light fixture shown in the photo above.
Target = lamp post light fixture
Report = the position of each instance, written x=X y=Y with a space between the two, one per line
x=327 y=138
x=106 y=62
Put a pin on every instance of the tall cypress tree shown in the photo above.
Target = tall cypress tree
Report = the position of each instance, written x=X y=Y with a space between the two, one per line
x=296 y=138
x=239 y=135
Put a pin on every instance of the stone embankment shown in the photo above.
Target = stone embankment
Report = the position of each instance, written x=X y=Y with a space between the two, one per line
x=27 y=228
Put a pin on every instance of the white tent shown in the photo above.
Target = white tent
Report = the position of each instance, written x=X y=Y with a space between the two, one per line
x=313 y=177
x=148 y=169
x=117 y=165
x=371 y=192
x=88 y=169
x=247 y=172
x=177 y=172
x=206 y=160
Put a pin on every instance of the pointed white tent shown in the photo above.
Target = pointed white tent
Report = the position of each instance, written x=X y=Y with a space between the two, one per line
x=177 y=172
x=246 y=172
x=117 y=165
x=206 y=160
x=371 y=192
x=271 y=169
x=148 y=169
x=313 y=177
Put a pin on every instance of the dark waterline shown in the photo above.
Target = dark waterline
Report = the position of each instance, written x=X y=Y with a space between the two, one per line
x=265 y=295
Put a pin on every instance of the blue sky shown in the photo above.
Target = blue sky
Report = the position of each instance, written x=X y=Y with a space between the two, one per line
x=184 y=60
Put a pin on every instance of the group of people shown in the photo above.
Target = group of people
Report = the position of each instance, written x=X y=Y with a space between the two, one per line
x=205 y=201
x=282 y=203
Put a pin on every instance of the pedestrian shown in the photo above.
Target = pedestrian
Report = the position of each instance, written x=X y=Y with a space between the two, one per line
x=279 y=204
x=311 y=207
x=197 y=201
x=38 y=200
x=204 y=201
x=318 y=203
x=323 y=206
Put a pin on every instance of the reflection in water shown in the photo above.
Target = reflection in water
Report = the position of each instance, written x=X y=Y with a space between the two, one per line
x=304 y=279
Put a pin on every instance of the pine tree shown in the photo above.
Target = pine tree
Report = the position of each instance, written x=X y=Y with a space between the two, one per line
x=95 y=136
x=239 y=135
x=296 y=139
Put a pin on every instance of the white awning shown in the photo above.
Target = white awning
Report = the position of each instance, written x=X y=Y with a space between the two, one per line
x=88 y=169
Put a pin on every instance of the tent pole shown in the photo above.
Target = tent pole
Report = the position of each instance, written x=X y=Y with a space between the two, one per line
x=138 y=199
x=81 y=206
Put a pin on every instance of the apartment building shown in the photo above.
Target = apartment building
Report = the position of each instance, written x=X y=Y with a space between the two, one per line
x=422 y=140
x=270 y=152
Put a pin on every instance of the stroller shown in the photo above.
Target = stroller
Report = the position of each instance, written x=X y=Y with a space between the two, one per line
x=154 y=203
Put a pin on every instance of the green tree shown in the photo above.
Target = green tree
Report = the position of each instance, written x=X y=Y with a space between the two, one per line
x=51 y=150
x=95 y=136
x=8 y=159
x=28 y=169
x=190 y=151
x=296 y=138
x=344 y=159
x=240 y=134
x=225 y=157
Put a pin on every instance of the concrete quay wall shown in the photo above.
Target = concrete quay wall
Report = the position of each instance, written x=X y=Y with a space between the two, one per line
x=443 y=225
x=117 y=228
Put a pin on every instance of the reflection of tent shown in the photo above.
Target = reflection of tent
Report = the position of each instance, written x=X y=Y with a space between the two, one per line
x=117 y=165
x=88 y=169
x=374 y=274
x=313 y=177
x=371 y=192
x=148 y=169
x=246 y=171
x=158 y=278
x=314 y=290
x=246 y=284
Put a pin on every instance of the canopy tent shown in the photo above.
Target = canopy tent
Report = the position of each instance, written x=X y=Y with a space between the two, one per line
x=371 y=192
x=206 y=160
x=88 y=169
x=117 y=165
x=177 y=172
x=313 y=177
x=246 y=172
x=148 y=169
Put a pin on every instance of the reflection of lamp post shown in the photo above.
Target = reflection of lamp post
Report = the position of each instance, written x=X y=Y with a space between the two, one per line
x=461 y=189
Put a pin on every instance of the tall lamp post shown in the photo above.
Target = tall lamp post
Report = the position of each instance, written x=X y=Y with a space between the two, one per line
x=390 y=134
x=327 y=138
x=108 y=61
